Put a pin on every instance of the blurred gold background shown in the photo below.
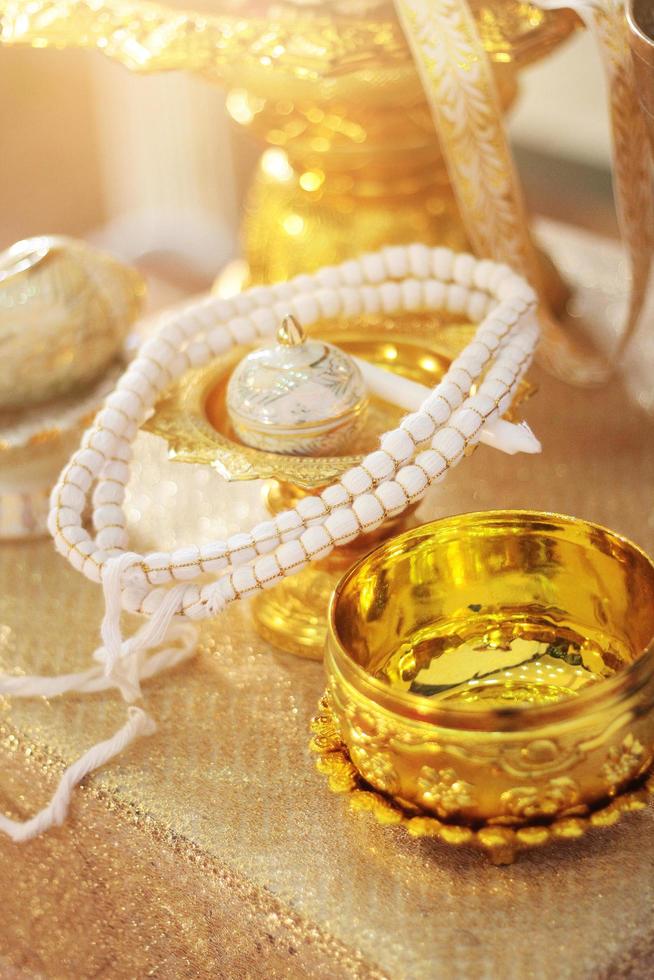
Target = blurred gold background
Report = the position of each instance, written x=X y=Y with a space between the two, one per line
x=151 y=168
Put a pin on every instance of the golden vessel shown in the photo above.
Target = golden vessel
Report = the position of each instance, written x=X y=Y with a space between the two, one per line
x=330 y=87
x=491 y=678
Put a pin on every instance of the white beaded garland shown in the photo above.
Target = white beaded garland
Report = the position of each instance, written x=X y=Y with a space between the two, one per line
x=397 y=278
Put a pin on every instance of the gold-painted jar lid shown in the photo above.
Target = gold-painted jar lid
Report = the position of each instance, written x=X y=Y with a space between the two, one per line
x=299 y=396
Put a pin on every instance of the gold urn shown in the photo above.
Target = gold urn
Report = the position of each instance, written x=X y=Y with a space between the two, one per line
x=352 y=159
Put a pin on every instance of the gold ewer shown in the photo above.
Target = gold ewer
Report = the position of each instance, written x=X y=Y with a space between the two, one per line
x=352 y=160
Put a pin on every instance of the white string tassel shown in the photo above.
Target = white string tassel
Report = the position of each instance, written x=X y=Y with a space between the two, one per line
x=138 y=723
x=122 y=664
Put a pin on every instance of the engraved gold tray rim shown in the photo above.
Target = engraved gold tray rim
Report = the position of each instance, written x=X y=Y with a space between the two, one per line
x=180 y=416
x=513 y=717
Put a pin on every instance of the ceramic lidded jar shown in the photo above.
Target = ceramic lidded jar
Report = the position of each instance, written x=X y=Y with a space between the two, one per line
x=300 y=396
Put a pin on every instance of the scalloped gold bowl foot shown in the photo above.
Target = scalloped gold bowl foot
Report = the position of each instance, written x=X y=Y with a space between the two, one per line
x=500 y=844
x=494 y=672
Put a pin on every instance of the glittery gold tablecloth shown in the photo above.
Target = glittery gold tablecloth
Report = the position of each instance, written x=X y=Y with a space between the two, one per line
x=213 y=848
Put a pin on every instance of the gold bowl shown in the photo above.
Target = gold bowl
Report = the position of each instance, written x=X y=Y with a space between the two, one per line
x=495 y=672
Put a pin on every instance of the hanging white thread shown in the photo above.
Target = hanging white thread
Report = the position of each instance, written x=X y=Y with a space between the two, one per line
x=138 y=723
x=122 y=664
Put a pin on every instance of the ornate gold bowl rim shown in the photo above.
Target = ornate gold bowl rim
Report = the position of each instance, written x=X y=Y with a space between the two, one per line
x=513 y=718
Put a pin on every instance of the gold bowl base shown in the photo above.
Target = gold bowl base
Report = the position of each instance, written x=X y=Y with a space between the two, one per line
x=501 y=845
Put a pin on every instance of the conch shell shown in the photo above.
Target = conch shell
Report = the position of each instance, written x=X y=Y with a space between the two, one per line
x=65 y=309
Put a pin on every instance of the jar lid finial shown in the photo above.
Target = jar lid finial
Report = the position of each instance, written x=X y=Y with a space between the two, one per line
x=290 y=333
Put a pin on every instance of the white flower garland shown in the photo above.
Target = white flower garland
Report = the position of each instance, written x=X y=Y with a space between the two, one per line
x=419 y=452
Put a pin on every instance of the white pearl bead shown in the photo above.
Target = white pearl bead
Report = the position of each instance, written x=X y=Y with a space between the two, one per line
x=242 y=304
x=396 y=260
x=433 y=463
x=213 y=556
x=80 y=476
x=108 y=514
x=380 y=464
x=419 y=425
x=115 y=469
x=267 y=570
x=90 y=458
x=464 y=268
x=373 y=267
x=434 y=293
x=291 y=556
x=111 y=538
x=342 y=525
x=242 y=548
x=329 y=302
x=223 y=309
x=302 y=283
x=108 y=493
x=477 y=306
x=219 y=340
x=310 y=508
x=467 y=422
x=317 y=542
x=243 y=331
x=456 y=299
x=437 y=409
x=185 y=562
x=442 y=260
x=265 y=535
x=261 y=297
x=198 y=353
x=351 y=301
x=420 y=260
x=391 y=297
x=158 y=568
x=305 y=309
x=392 y=497
x=73 y=535
x=329 y=276
x=335 y=495
x=413 y=480
x=411 y=292
x=102 y=440
x=356 y=480
x=482 y=273
x=351 y=273
x=449 y=443
x=265 y=321
x=398 y=445
x=71 y=496
x=369 y=511
x=371 y=299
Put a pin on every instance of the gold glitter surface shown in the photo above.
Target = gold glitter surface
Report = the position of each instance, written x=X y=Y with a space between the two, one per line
x=214 y=849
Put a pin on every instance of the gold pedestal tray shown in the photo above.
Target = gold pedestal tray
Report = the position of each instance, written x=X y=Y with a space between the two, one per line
x=194 y=421
x=501 y=844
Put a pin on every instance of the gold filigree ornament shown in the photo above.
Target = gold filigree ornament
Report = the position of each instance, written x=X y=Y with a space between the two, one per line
x=491 y=680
